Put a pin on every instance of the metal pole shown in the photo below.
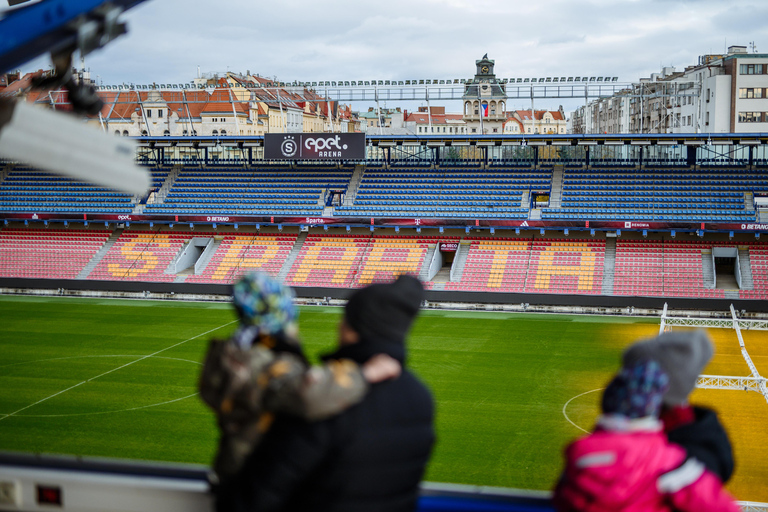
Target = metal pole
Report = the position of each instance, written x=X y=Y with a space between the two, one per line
x=429 y=111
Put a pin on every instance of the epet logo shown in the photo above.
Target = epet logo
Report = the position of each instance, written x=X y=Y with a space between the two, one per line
x=324 y=146
x=123 y=217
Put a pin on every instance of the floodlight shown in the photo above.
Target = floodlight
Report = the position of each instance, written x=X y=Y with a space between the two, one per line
x=592 y=79
x=562 y=79
x=526 y=80
x=599 y=79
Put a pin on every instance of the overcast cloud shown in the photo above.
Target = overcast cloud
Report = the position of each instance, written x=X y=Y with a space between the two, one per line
x=406 y=39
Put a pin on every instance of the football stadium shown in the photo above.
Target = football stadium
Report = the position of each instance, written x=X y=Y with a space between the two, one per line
x=543 y=256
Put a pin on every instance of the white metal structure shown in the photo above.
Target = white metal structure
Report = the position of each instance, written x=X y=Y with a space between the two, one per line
x=753 y=382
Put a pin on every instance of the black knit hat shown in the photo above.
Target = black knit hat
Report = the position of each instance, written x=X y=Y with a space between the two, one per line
x=385 y=312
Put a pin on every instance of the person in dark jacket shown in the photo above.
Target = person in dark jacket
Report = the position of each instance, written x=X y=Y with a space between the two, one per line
x=369 y=458
x=683 y=355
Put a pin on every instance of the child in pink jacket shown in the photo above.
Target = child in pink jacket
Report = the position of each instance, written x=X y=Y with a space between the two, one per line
x=628 y=465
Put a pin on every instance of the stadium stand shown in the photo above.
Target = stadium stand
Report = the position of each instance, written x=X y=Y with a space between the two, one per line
x=28 y=190
x=533 y=266
x=268 y=190
x=48 y=254
x=238 y=254
x=328 y=261
x=492 y=193
x=671 y=194
x=141 y=256
x=758 y=258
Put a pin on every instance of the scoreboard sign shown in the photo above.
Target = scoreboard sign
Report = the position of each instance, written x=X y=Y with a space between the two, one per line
x=314 y=146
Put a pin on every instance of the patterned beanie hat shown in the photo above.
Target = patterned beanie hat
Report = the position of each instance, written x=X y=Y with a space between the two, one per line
x=636 y=391
x=266 y=304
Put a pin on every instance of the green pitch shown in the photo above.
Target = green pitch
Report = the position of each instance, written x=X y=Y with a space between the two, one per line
x=117 y=378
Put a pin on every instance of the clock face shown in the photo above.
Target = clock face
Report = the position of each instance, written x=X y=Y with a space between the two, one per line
x=484 y=69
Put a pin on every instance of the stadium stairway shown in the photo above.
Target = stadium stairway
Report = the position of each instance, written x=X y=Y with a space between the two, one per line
x=4 y=172
x=443 y=276
x=206 y=257
x=556 y=192
x=424 y=272
x=749 y=202
x=762 y=215
x=707 y=269
x=745 y=266
x=609 y=266
x=167 y=184
x=100 y=254
x=460 y=261
x=354 y=185
x=295 y=250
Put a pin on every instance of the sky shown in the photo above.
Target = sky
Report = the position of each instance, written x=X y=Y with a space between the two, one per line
x=307 y=40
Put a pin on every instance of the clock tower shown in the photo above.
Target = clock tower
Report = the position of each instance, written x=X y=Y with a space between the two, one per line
x=485 y=68
x=485 y=100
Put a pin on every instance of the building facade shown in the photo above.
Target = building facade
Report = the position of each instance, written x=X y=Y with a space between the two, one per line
x=720 y=94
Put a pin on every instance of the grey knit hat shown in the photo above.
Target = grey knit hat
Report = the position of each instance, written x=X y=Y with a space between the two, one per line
x=681 y=354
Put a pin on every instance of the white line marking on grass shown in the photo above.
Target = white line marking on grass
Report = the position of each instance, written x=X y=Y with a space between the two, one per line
x=161 y=351
x=41 y=401
x=98 y=356
x=572 y=399
x=115 y=369
x=105 y=412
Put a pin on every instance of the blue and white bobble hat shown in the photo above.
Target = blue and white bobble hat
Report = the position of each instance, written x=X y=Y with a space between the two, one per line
x=266 y=304
x=636 y=391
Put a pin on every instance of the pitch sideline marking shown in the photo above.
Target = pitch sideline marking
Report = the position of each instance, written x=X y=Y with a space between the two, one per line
x=161 y=351
x=106 y=412
x=572 y=399
x=115 y=369
x=94 y=355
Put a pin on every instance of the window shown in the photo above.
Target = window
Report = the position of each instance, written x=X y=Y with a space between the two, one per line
x=125 y=133
x=117 y=132
x=689 y=121
x=495 y=130
x=166 y=133
x=223 y=132
x=215 y=132
x=752 y=69
x=474 y=130
x=749 y=93
x=149 y=113
x=752 y=117
x=160 y=114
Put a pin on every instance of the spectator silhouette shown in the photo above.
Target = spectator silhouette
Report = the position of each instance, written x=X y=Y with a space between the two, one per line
x=372 y=456
x=627 y=464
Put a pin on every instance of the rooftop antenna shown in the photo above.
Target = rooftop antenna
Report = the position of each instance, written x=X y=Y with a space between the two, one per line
x=753 y=47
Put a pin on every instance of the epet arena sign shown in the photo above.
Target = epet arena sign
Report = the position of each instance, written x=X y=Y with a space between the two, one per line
x=314 y=146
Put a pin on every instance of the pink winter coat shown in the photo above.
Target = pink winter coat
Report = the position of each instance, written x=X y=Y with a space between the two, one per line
x=630 y=466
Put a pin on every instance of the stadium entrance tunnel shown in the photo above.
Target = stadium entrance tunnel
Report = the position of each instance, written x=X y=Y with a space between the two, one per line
x=33 y=482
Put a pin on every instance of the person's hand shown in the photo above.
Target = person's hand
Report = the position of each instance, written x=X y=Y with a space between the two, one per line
x=381 y=367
